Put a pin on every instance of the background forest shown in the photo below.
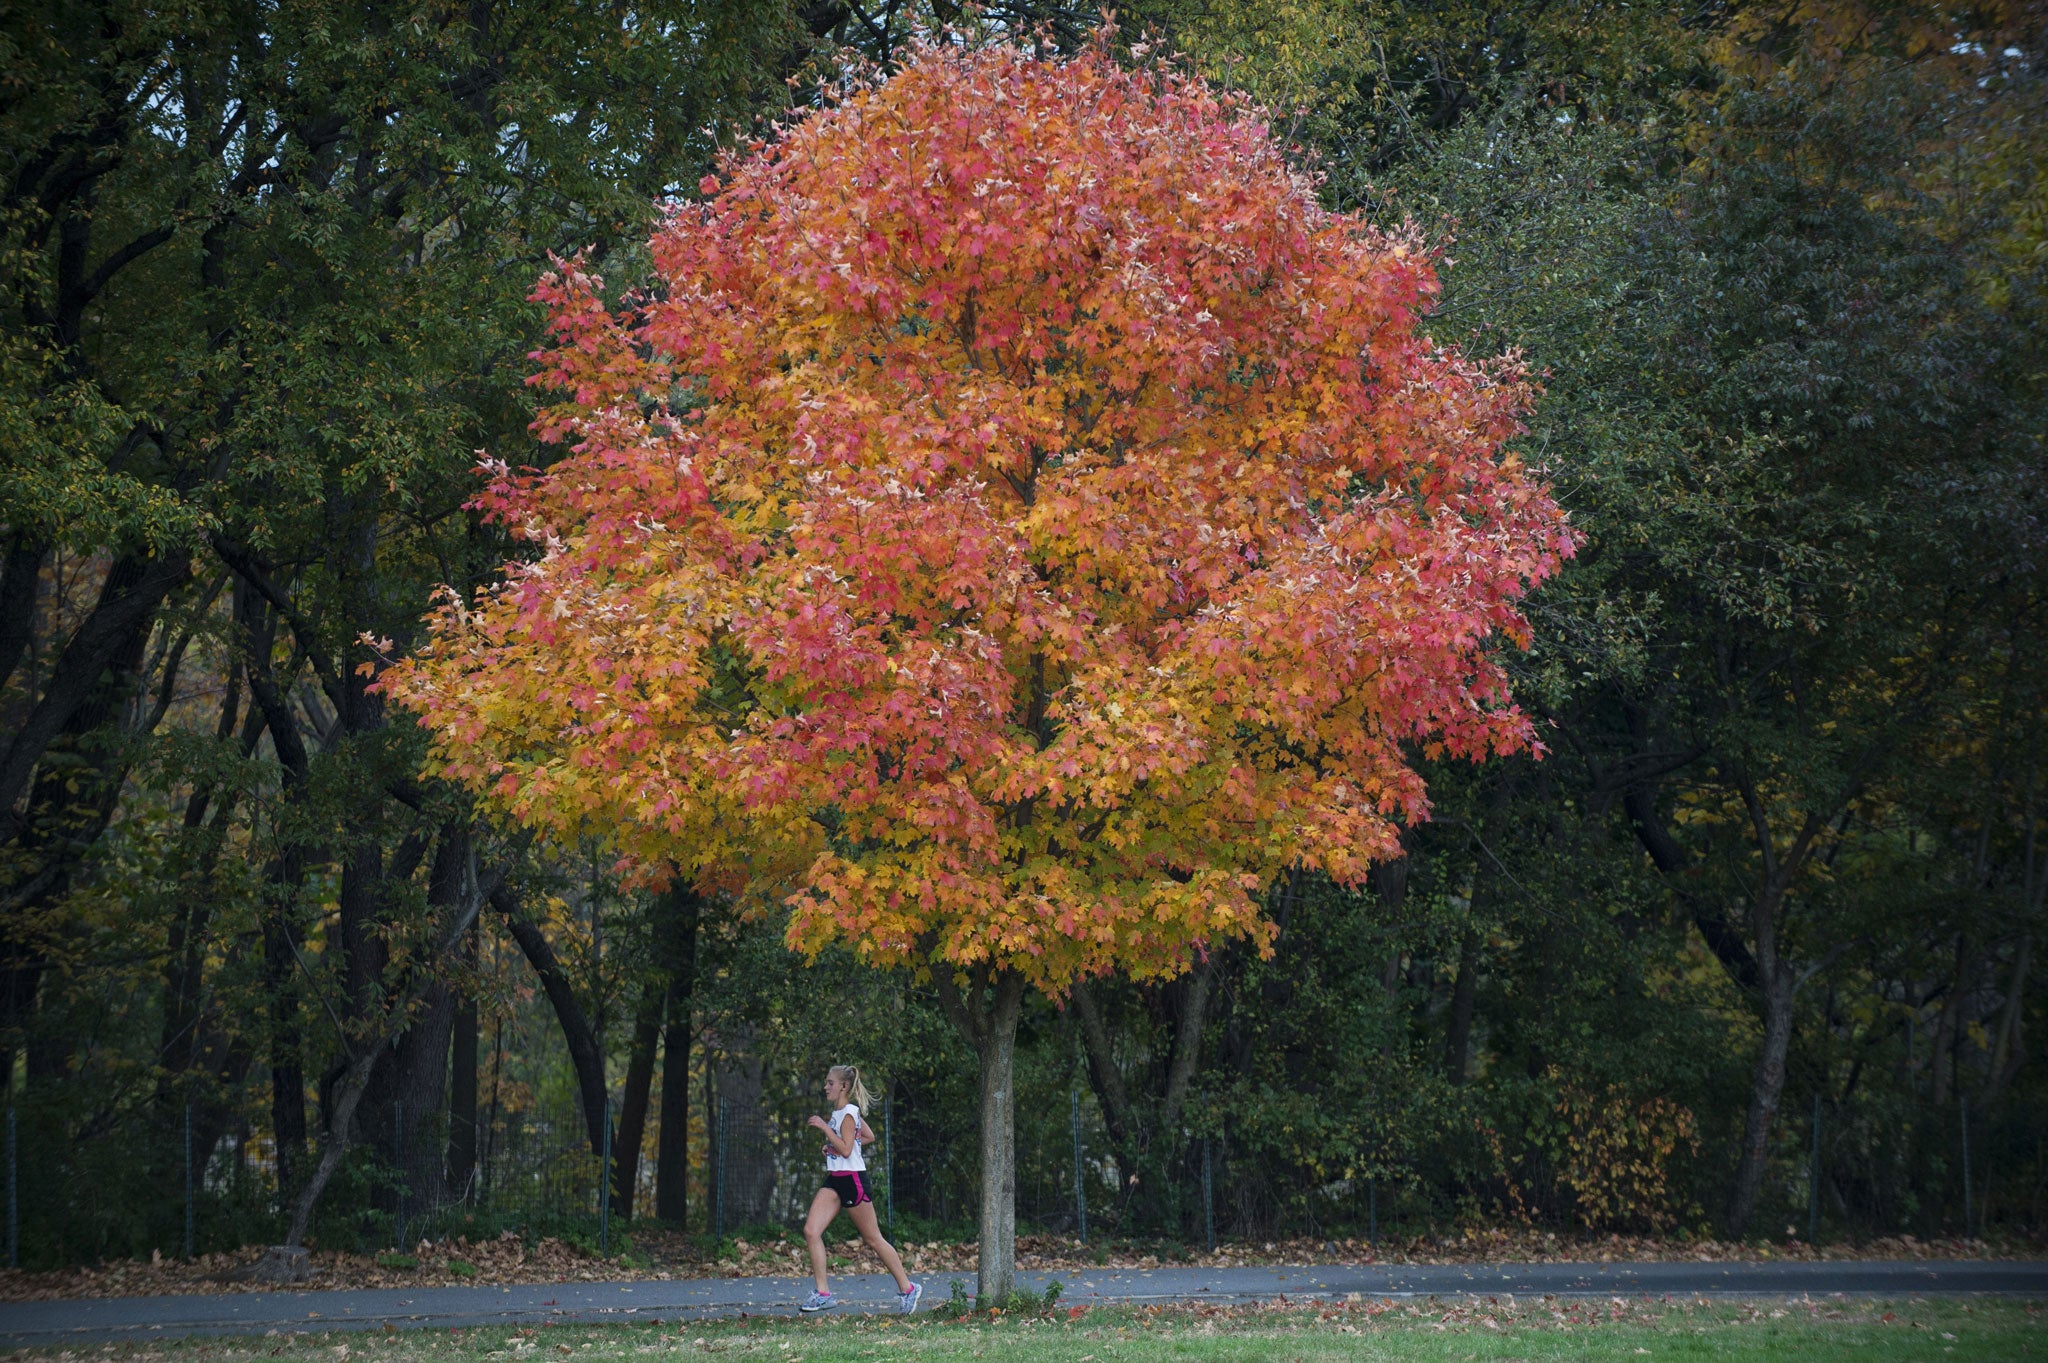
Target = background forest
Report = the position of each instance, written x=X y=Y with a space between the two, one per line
x=1766 y=909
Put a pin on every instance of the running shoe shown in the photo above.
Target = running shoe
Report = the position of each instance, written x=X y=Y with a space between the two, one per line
x=906 y=1302
x=819 y=1301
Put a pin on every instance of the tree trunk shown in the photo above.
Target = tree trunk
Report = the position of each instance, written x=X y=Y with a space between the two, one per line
x=287 y=1067
x=1948 y=1028
x=72 y=782
x=2009 y=1051
x=1103 y=1075
x=207 y=817
x=1458 y=1039
x=355 y=1080
x=1187 y=1045
x=672 y=1154
x=1390 y=881
x=283 y=878
x=672 y=1172
x=415 y=1095
x=996 y=1275
x=20 y=577
x=418 y=1097
x=363 y=950
x=714 y=1148
x=584 y=1052
x=1767 y=1085
x=462 y=1102
x=116 y=628
x=633 y=1105
x=462 y=1080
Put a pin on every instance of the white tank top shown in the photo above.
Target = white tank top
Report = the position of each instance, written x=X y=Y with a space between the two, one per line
x=854 y=1163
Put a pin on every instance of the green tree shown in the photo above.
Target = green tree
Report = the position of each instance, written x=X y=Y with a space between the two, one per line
x=263 y=300
x=1769 y=343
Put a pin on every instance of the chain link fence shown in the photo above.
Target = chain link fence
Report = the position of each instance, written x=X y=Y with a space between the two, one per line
x=187 y=1187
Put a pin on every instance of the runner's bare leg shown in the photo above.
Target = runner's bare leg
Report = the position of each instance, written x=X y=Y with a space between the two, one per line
x=864 y=1222
x=824 y=1207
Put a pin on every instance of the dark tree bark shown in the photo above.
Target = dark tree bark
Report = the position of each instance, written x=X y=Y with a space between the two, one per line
x=348 y=1094
x=1128 y=1126
x=1948 y=1029
x=414 y=1079
x=2009 y=1051
x=1673 y=862
x=418 y=1066
x=115 y=630
x=625 y=1172
x=1390 y=882
x=283 y=878
x=462 y=1086
x=1767 y=1088
x=1187 y=1044
x=20 y=575
x=672 y=1186
x=584 y=1052
x=1147 y=1127
x=1759 y=964
x=363 y=953
x=1464 y=993
x=71 y=781
x=672 y=1154
x=1781 y=982
x=207 y=817
x=1104 y=1075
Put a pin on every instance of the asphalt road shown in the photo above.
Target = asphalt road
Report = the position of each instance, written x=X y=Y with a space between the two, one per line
x=67 y=1323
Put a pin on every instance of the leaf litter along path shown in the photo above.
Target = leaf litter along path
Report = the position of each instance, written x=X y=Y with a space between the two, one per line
x=1501 y=1330
x=79 y=1321
x=507 y=1260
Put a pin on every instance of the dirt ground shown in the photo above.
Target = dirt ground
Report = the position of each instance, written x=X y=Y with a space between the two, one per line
x=661 y=1254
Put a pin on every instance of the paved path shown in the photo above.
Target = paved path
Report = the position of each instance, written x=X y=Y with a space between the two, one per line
x=132 y=1318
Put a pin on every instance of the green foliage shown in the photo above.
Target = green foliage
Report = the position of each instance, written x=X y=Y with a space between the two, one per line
x=265 y=298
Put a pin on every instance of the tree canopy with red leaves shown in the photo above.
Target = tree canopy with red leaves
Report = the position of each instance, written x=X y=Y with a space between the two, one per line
x=1017 y=523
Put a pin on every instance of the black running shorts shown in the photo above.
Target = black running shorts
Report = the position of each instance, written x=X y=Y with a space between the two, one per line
x=852 y=1188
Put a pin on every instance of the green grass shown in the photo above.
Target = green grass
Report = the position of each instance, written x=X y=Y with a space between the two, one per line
x=1450 y=1332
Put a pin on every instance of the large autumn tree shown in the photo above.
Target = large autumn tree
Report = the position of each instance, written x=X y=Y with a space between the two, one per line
x=1015 y=525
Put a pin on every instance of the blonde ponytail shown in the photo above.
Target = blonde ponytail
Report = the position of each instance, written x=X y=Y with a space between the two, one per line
x=856 y=1091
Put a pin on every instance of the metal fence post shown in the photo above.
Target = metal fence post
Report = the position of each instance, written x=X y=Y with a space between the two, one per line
x=1372 y=1213
x=1968 y=1204
x=718 y=1175
x=1080 y=1186
x=1208 y=1197
x=604 y=1190
x=888 y=1166
x=1813 y=1178
x=13 y=1194
x=188 y=1178
x=398 y=1155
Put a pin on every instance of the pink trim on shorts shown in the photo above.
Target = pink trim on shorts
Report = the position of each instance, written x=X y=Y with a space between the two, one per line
x=860 y=1194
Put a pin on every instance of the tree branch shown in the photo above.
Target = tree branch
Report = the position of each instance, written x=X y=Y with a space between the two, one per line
x=252 y=571
x=1187 y=1045
x=584 y=1052
x=1106 y=1078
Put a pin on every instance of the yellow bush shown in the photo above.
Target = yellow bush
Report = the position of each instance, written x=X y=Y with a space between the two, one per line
x=1612 y=1152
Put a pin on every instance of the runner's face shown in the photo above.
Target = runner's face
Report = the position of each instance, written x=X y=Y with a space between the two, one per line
x=835 y=1089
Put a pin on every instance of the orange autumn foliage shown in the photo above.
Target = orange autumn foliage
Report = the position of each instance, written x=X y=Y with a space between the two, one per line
x=1018 y=522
